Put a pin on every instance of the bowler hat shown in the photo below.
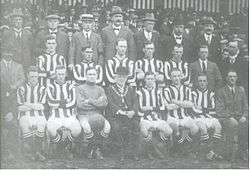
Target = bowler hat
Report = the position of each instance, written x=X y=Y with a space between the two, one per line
x=149 y=17
x=116 y=10
x=87 y=17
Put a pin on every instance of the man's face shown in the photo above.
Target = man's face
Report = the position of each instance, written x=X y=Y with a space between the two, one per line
x=33 y=78
x=120 y=79
x=150 y=81
x=232 y=50
x=149 y=26
x=88 y=54
x=177 y=53
x=209 y=28
x=18 y=22
x=149 y=50
x=51 y=45
x=121 y=48
x=117 y=19
x=178 y=29
x=232 y=78
x=60 y=75
x=53 y=23
x=87 y=25
x=203 y=53
x=202 y=82
x=91 y=76
x=176 y=77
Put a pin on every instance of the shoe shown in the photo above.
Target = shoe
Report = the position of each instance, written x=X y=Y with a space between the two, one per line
x=150 y=156
x=158 y=153
x=122 y=159
x=40 y=157
x=99 y=154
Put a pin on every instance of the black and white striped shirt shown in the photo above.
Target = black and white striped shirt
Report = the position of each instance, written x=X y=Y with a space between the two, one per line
x=112 y=65
x=30 y=94
x=183 y=93
x=79 y=72
x=204 y=102
x=63 y=97
x=182 y=66
x=151 y=99
x=150 y=65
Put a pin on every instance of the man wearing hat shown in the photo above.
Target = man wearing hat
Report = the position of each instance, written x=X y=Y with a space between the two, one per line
x=21 y=38
x=52 y=29
x=115 y=31
x=83 y=38
x=209 y=38
x=147 y=34
x=122 y=114
x=12 y=76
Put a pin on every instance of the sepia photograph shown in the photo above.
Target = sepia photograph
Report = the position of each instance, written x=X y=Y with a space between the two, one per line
x=124 y=84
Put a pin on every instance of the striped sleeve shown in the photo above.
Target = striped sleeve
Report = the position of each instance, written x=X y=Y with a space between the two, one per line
x=212 y=100
x=51 y=90
x=166 y=96
x=110 y=72
x=167 y=71
x=139 y=99
x=186 y=77
x=72 y=97
x=43 y=95
x=77 y=73
x=99 y=74
x=21 y=95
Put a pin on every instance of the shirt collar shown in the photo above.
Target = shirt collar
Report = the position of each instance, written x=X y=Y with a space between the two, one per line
x=17 y=30
x=177 y=36
x=115 y=27
x=7 y=62
x=203 y=61
x=88 y=32
x=231 y=88
x=119 y=58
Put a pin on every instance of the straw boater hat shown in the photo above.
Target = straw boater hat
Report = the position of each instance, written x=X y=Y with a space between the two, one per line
x=116 y=10
x=87 y=17
x=52 y=15
x=208 y=20
x=149 y=17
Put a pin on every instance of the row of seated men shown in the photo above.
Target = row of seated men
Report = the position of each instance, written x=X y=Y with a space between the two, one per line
x=124 y=108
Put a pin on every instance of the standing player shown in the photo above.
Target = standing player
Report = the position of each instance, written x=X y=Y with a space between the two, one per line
x=31 y=98
x=149 y=64
x=48 y=62
x=204 y=108
x=63 y=127
x=120 y=60
x=79 y=71
x=151 y=108
x=178 y=101
x=177 y=62
x=91 y=103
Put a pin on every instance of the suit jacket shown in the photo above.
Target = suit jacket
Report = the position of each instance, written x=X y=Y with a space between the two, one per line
x=140 y=39
x=23 y=46
x=168 y=42
x=213 y=47
x=61 y=39
x=109 y=39
x=213 y=74
x=229 y=105
x=78 y=41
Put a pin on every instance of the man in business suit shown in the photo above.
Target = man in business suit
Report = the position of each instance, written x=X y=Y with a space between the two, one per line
x=202 y=65
x=178 y=37
x=51 y=29
x=115 y=31
x=147 y=34
x=12 y=77
x=209 y=38
x=85 y=38
x=232 y=109
x=21 y=38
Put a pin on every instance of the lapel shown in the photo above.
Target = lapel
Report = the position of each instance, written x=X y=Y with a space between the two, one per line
x=122 y=30
x=229 y=93
x=198 y=66
x=111 y=31
x=143 y=36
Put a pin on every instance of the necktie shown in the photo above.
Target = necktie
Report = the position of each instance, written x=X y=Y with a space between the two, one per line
x=18 y=37
x=232 y=91
x=209 y=39
x=87 y=36
x=203 y=66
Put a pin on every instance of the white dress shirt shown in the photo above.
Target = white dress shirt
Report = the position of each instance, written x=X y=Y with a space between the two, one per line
x=116 y=29
x=208 y=38
x=201 y=64
x=87 y=33
x=148 y=35
x=178 y=39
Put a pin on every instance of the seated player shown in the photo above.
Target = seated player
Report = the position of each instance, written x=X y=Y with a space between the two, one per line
x=48 y=61
x=122 y=114
x=120 y=60
x=91 y=102
x=204 y=111
x=62 y=125
x=151 y=109
x=31 y=99
x=149 y=64
x=232 y=110
x=178 y=101
x=177 y=62
x=79 y=71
